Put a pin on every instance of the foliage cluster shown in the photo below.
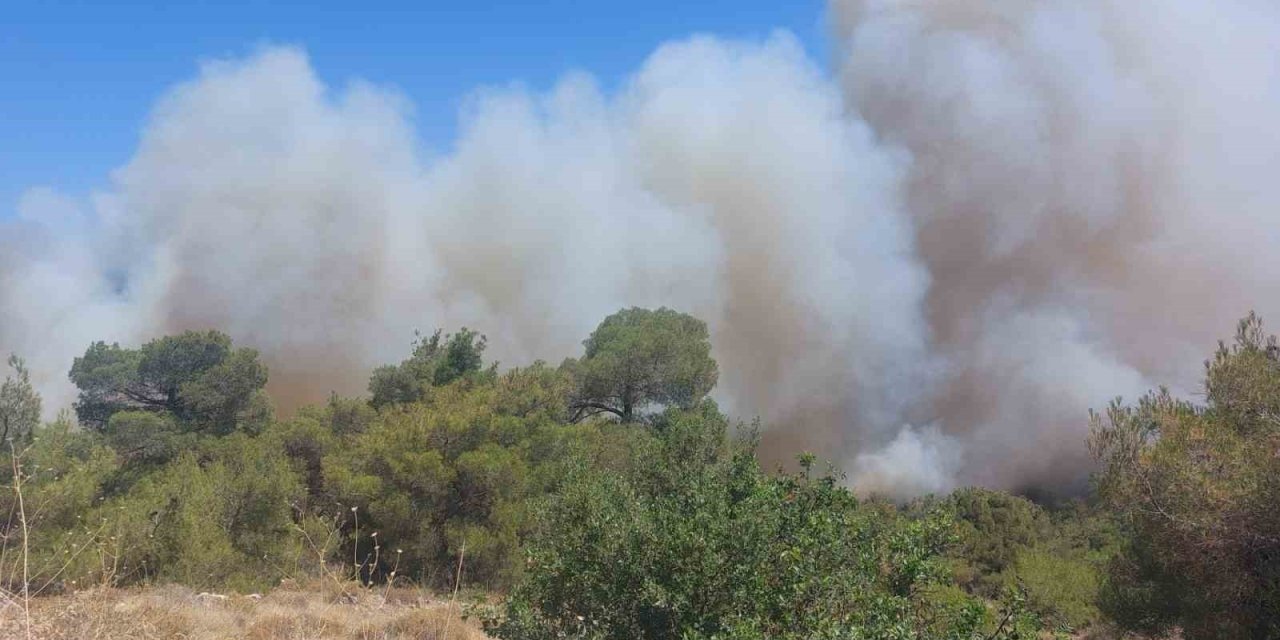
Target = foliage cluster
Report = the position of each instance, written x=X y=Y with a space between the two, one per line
x=692 y=539
x=1196 y=487
x=608 y=497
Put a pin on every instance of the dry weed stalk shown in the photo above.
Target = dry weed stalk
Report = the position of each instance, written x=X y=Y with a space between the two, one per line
x=457 y=581
x=26 y=550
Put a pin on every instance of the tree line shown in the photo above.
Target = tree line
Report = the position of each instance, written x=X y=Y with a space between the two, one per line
x=609 y=497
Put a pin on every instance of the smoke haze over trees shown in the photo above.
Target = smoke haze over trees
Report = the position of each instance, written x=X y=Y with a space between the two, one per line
x=929 y=263
x=656 y=522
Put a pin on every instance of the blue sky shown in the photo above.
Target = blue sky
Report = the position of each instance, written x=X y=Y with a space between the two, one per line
x=79 y=78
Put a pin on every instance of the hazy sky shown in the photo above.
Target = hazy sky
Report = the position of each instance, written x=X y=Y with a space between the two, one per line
x=78 y=78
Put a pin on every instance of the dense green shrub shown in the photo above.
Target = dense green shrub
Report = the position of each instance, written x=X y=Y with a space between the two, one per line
x=1196 y=488
x=993 y=528
x=694 y=540
x=61 y=473
x=219 y=516
x=435 y=362
x=313 y=433
x=1061 y=587
x=1054 y=557
x=454 y=473
x=144 y=439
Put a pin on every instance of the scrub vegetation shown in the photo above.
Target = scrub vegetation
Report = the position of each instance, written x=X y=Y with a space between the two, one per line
x=606 y=497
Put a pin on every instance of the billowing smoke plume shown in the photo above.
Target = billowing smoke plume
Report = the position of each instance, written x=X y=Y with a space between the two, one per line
x=1092 y=190
x=998 y=215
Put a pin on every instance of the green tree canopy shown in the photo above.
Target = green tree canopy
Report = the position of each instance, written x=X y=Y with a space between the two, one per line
x=638 y=358
x=456 y=470
x=19 y=403
x=1197 y=487
x=435 y=362
x=994 y=527
x=195 y=378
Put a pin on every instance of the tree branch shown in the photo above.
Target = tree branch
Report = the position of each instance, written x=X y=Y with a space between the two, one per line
x=581 y=408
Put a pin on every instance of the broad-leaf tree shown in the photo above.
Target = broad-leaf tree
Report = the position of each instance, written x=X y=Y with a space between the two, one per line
x=640 y=358
x=197 y=379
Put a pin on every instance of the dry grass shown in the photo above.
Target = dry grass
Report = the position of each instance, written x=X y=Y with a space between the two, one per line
x=314 y=612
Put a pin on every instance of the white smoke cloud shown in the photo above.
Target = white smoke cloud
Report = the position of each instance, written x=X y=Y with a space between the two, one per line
x=1092 y=193
x=998 y=215
x=725 y=180
x=916 y=462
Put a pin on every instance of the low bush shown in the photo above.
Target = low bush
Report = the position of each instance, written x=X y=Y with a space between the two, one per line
x=694 y=540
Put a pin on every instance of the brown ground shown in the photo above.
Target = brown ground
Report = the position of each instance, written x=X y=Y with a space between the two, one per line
x=318 y=612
